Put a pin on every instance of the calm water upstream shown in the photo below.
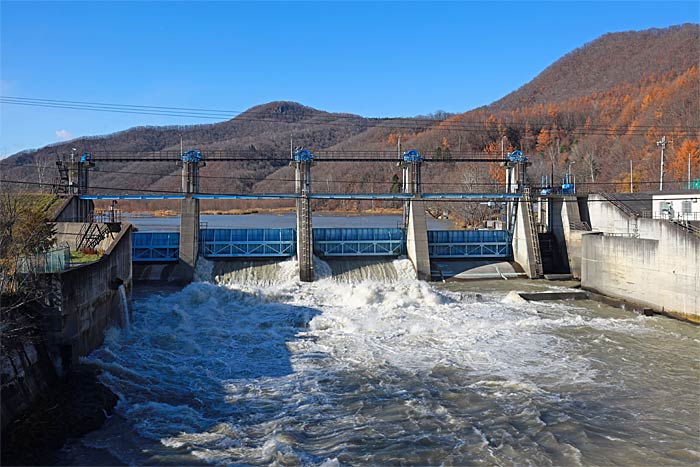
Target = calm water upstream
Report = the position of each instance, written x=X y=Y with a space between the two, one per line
x=394 y=372
x=275 y=221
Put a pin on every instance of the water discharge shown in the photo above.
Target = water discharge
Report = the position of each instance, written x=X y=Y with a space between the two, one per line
x=124 y=303
x=261 y=369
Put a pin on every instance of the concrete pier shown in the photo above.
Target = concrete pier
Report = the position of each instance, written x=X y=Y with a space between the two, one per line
x=305 y=250
x=189 y=238
x=417 y=240
x=189 y=217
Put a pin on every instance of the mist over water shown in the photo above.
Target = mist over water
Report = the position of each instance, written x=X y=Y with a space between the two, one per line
x=261 y=369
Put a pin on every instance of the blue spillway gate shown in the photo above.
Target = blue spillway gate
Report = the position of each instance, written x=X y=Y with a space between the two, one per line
x=231 y=243
x=254 y=243
x=359 y=242
x=469 y=244
x=155 y=246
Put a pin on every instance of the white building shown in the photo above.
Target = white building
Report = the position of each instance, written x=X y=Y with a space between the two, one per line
x=679 y=205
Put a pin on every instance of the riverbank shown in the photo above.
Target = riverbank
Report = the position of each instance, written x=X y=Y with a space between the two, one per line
x=76 y=405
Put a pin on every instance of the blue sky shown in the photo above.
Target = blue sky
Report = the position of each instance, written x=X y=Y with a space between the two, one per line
x=372 y=59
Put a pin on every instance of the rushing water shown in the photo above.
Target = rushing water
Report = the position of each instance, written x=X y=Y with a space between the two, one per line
x=124 y=303
x=394 y=372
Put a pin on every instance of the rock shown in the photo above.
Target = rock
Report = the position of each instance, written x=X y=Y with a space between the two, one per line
x=79 y=404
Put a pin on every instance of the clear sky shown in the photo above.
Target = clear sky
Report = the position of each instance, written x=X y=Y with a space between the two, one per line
x=372 y=59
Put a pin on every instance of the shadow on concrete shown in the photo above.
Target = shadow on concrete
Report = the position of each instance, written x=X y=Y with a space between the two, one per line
x=474 y=269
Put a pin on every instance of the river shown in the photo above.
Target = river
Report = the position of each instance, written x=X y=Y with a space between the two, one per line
x=285 y=220
x=392 y=372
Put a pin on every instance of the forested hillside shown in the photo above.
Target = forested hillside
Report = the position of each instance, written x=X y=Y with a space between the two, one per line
x=591 y=112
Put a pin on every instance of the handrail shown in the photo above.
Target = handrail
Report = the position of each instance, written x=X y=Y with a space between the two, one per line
x=619 y=204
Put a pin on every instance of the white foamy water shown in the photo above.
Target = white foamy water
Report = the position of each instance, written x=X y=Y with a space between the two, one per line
x=124 y=303
x=277 y=372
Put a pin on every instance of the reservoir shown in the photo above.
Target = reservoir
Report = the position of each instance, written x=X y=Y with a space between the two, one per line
x=261 y=369
x=275 y=221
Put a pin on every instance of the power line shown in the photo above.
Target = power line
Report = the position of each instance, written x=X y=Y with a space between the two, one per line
x=174 y=192
x=318 y=180
x=334 y=119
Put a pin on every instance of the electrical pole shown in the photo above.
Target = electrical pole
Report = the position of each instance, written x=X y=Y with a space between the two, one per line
x=631 y=184
x=662 y=144
x=689 y=171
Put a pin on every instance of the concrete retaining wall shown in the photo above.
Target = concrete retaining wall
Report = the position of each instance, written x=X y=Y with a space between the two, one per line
x=662 y=273
x=26 y=372
x=605 y=217
x=79 y=306
x=85 y=301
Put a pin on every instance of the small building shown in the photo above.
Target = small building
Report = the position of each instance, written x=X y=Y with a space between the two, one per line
x=678 y=205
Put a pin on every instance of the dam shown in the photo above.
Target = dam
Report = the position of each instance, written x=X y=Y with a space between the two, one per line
x=232 y=354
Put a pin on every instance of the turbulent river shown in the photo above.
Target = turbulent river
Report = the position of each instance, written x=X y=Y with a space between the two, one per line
x=264 y=370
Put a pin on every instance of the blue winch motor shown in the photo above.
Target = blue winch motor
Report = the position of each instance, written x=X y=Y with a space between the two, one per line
x=517 y=156
x=303 y=155
x=412 y=156
x=192 y=156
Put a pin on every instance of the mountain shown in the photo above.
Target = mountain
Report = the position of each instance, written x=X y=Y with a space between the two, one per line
x=610 y=61
x=590 y=112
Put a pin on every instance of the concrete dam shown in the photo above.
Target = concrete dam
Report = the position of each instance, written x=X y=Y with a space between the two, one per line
x=355 y=345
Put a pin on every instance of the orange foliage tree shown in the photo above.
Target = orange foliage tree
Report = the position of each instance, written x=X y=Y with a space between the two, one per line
x=678 y=163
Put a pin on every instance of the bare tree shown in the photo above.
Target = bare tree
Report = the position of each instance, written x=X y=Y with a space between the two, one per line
x=42 y=168
x=25 y=235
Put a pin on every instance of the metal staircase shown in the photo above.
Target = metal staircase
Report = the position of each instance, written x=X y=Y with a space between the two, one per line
x=632 y=214
x=90 y=235
x=619 y=204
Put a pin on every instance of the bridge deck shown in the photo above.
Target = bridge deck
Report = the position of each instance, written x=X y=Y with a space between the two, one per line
x=361 y=196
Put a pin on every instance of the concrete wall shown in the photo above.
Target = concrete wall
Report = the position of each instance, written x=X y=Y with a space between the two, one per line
x=75 y=313
x=605 y=217
x=26 y=372
x=69 y=232
x=85 y=301
x=663 y=273
x=75 y=210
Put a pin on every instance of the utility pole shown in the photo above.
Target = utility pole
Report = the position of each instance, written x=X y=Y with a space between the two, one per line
x=662 y=144
x=398 y=147
x=631 y=184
